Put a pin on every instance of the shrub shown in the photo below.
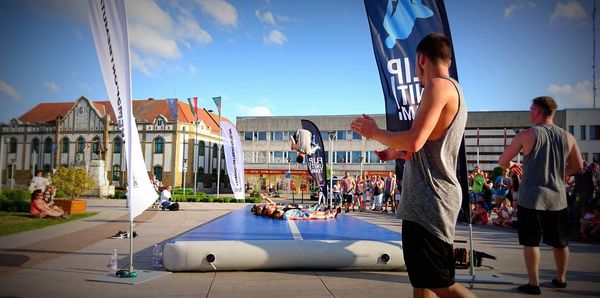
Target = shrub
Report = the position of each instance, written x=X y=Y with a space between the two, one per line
x=17 y=194
x=120 y=194
x=74 y=182
x=59 y=194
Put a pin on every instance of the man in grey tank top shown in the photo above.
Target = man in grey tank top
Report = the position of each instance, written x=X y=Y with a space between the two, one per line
x=431 y=193
x=550 y=154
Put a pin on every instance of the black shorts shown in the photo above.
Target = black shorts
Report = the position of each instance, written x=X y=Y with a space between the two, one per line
x=552 y=225
x=348 y=198
x=429 y=260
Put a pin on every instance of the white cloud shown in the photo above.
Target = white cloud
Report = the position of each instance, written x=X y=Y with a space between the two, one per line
x=509 y=10
x=151 y=42
x=275 y=37
x=146 y=66
x=569 y=96
x=570 y=11
x=255 y=111
x=193 y=70
x=156 y=35
x=188 y=28
x=222 y=11
x=9 y=90
x=51 y=86
x=266 y=18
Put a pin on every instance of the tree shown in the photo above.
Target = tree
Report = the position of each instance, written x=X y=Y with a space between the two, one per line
x=73 y=182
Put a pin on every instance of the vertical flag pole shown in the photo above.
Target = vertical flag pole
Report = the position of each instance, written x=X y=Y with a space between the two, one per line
x=219 y=160
x=330 y=133
x=196 y=161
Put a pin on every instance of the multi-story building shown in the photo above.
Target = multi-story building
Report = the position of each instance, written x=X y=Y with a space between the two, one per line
x=66 y=134
x=267 y=154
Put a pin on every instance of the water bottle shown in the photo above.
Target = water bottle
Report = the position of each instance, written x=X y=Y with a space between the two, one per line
x=113 y=262
x=155 y=256
x=160 y=257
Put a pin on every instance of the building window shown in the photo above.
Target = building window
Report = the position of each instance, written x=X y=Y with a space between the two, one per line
x=584 y=156
x=340 y=157
x=596 y=157
x=159 y=146
x=356 y=136
x=12 y=148
x=340 y=135
x=65 y=145
x=35 y=145
x=80 y=145
x=373 y=157
x=117 y=145
x=95 y=144
x=48 y=145
x=201 y=148
x=214 y=153
x=594 y=132
x=261 y=135
x=572 y=129
x=277 y=157
x=248 y=136
x=277 y=135
x=582 y=132
x=261 y=156
x=158 y=171
x=292 y=155
x=200 y=175
x=116 y=173
x=355 y=157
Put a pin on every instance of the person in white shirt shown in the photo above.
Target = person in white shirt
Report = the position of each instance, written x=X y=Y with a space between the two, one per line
x=165 y=198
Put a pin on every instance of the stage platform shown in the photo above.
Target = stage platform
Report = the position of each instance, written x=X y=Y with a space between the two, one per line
x=243 y=241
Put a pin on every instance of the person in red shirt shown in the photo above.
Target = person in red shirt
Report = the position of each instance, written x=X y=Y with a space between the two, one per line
x=40 y=209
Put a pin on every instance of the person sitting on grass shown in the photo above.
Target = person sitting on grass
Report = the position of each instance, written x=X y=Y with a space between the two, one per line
x=48 y=196
x=40 y=209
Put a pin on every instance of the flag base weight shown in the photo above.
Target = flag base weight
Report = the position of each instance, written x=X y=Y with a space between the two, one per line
x=142 y=277
x=480 y=277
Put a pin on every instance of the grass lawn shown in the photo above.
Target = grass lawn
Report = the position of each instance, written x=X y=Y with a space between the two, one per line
x=16 y=222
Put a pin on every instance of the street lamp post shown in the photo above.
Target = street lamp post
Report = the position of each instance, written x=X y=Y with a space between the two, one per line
x=184 y=173
x=289 y=179
x=331 y=134
x=12 y=173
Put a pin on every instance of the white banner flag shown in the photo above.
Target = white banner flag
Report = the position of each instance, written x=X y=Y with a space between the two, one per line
x=234 y=157
x=109 y=27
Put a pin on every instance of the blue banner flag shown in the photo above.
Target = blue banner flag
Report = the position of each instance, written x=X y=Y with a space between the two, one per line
x=172 y=102
x=316 y=161
x=397 y=26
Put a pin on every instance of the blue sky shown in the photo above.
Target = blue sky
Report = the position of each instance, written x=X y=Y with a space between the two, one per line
x=284 y=57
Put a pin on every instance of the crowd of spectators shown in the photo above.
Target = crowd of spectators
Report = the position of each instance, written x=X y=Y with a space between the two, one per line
x=494 y=199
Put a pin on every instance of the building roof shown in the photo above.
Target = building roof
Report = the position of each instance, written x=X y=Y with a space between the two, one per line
x=143 y=110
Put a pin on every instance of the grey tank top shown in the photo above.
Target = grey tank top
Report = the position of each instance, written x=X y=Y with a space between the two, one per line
x=431 y=193
x=543 y=186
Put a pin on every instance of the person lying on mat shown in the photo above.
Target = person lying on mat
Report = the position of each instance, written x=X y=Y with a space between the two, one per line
x=297 y=214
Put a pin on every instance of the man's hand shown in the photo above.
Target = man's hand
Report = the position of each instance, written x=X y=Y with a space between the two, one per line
x=365 y=126
x=516 y=169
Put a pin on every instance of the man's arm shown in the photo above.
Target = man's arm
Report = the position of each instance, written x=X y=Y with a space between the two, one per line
x=512 y=150
x=574 y=160
x=435 y=97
